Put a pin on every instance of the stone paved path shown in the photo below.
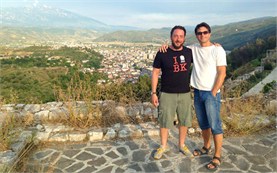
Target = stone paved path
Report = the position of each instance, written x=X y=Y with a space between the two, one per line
x=246 y=154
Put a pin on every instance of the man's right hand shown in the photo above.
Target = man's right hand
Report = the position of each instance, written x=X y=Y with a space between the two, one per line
x=163 y=48
x=155 y=100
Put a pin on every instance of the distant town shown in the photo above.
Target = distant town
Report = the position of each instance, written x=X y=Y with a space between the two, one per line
x=122 y=62
x=126 y=62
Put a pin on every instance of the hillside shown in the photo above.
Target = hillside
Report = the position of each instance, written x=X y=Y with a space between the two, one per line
x=152 y=35
x=237 y=34
x=42 y=69
x=230 y=36
x=18 y=36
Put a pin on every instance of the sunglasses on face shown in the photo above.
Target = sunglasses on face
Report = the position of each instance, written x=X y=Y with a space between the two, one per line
x=200 y=33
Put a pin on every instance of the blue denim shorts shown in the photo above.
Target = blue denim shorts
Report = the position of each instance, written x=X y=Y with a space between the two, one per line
x=207 y=108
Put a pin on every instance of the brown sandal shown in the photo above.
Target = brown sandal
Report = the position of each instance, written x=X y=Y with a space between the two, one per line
x=202 y=151
x=215 y=164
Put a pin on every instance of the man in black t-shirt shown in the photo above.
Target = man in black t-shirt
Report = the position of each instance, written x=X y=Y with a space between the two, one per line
x=175 y=92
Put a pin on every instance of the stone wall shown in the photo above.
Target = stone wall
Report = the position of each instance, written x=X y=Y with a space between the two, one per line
x=53 y=110
x=42 y=131
x=49 y=112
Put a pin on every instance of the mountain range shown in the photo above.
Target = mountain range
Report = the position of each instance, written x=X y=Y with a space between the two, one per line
x=230 y=36
x=44 y=24
x=50 y=17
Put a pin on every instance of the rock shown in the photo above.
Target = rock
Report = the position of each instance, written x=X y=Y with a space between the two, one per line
x=19 y=106
x=198 y=130
x=42 y=136
x=26 y=136
x=33 y=108
x=18 y=146
x=42 y=115
x=153 y=132
x=108 y=103
x=135 y=110
x=77 y=136
x=191 y=130
x=40 y=128
x=8 y=107
x=60 y=137
x=148 y=111
x=54 y=104
x=148 y=125
x=136 y=133
x=132 y=111
x=155 y=113
x=97 y=103
x=117 y=126
x=56 y=113
x=7 y=157
x=124 y=133
x=57 y=128
x=95 y=135
x=110 y=134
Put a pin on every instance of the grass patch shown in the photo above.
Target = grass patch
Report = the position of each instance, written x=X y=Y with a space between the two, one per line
x=246 y=116
x=11 y=127
x=8 y=132
x=88 y=112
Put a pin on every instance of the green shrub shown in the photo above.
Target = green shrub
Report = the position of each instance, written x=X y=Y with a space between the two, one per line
x=269 y=86
x=268 y=66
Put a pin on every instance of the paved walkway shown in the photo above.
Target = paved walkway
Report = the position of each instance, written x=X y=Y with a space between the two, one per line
x=246 y=154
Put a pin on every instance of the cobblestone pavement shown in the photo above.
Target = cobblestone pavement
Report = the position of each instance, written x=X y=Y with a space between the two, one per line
x=245 y=154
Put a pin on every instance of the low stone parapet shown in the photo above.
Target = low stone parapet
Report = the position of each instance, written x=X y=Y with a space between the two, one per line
x=54 y=110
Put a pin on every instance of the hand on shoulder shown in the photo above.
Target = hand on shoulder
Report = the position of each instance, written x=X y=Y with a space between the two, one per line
x=163 y=48
x=217 y=44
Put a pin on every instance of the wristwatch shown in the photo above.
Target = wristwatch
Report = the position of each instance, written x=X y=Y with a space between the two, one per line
x=153 y=93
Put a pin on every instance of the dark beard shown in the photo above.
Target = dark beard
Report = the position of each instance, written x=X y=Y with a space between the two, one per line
x=176 y=47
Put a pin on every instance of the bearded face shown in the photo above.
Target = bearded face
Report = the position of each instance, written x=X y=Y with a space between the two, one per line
x=178 y=38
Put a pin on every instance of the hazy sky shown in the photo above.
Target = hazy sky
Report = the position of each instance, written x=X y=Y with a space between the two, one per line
x=160 y=13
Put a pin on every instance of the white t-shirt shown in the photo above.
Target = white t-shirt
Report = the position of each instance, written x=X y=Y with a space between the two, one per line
x=205 y=61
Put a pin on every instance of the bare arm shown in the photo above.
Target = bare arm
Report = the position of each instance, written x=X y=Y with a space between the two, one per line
x=221 y=74
x=154 y=83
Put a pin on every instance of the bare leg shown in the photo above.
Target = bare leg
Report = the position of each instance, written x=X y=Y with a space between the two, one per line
x=206 y=134
x=218 y=145
x=182 y=135
x=164 y=136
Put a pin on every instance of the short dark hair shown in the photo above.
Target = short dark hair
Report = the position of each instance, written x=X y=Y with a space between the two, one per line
x=203 y=24
x=178 y=27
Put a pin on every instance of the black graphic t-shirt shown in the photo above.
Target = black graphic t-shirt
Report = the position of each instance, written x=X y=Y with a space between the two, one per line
x=175 y=66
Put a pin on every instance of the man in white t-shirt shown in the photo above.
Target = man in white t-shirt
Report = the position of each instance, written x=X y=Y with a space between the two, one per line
x=208 y=74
